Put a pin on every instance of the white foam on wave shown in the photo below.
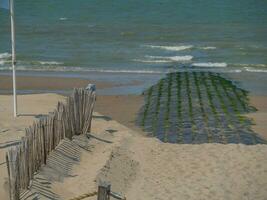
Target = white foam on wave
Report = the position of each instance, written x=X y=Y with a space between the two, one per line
x=250 y=65
x=5 y=55
x=234 y=71
x=172 y=58
x=249 y=69
x=80 y=69
x=171 y=48
x=181 y=58
x=215 y=70
x=50 y=63
x=151 y=61
x=127 y=71
x=63 y=18
x=208 y=48
x=209 y=64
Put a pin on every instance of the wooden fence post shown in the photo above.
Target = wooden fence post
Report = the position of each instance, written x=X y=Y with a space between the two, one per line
x=103 y=191
x=69 y=119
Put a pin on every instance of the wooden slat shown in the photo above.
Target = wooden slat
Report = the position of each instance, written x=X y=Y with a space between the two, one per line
x=72 y=118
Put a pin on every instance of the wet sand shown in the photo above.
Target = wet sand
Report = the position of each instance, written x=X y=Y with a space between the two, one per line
x=125 y=108
x=259 y=117
x=122 y=108
x=50 y=83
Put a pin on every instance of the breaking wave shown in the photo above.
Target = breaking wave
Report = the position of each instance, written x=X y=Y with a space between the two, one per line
x=172 y=58
x=209 y=64
x=151 y=61
x=171 y=48
x=63 y=18
x=80 y=69
x=248 y=69
x=207 y=48
x=4 y=58
x=249 y=65
x=50 y=63
x=5 y=55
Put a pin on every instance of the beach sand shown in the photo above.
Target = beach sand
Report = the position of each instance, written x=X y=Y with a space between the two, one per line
x=138 y=167
x=146 y=168
x=122 y=108
x=259 y=117
x=12 y=129
x=52 y=83
x=141 y=167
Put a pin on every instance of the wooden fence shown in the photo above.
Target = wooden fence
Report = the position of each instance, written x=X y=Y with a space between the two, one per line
x=68 y=119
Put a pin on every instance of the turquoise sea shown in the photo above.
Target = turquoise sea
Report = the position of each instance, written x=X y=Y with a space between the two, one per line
x=151 y=36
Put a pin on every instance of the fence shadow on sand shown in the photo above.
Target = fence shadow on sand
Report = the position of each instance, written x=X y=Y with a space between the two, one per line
x=51 y=146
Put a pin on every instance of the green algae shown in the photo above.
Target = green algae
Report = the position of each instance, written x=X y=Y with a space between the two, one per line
x=197 y=107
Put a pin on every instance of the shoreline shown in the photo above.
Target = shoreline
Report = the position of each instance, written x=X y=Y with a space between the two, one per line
x=122 y=107
x=51 y=83
x=106 y=83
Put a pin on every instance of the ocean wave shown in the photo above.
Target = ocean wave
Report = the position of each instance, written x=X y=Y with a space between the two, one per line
x=207 y=48
x=234 y=71
x=128 y=71
x=80 y=69
x=63 y=18
x=44 y=63
x=5 y=68
x=171 y=48
x=172 y=58
x=50 y=63
x=144 y=71
x=209 y=64
x=215 y=70
x=5 y=55
x=249 y=69
x=249 y=65
x=151 y=61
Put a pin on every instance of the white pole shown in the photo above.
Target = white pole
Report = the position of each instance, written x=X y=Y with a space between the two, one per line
x=11 y=4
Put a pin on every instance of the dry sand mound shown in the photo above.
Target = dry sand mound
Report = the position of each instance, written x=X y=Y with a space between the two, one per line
x=145 y=168
x=120 y=169
x=206 y=171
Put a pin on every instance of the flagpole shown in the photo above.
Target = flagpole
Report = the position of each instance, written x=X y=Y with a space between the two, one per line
x=11 y=4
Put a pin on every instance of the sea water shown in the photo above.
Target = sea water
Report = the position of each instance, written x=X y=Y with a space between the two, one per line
x=141 y=36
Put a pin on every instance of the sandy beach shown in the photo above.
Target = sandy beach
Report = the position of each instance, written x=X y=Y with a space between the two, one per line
x=122 y=108
x=59 y=84
x=141 y=167
x=260 y=116
x=12 y=129
x=163 y=100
